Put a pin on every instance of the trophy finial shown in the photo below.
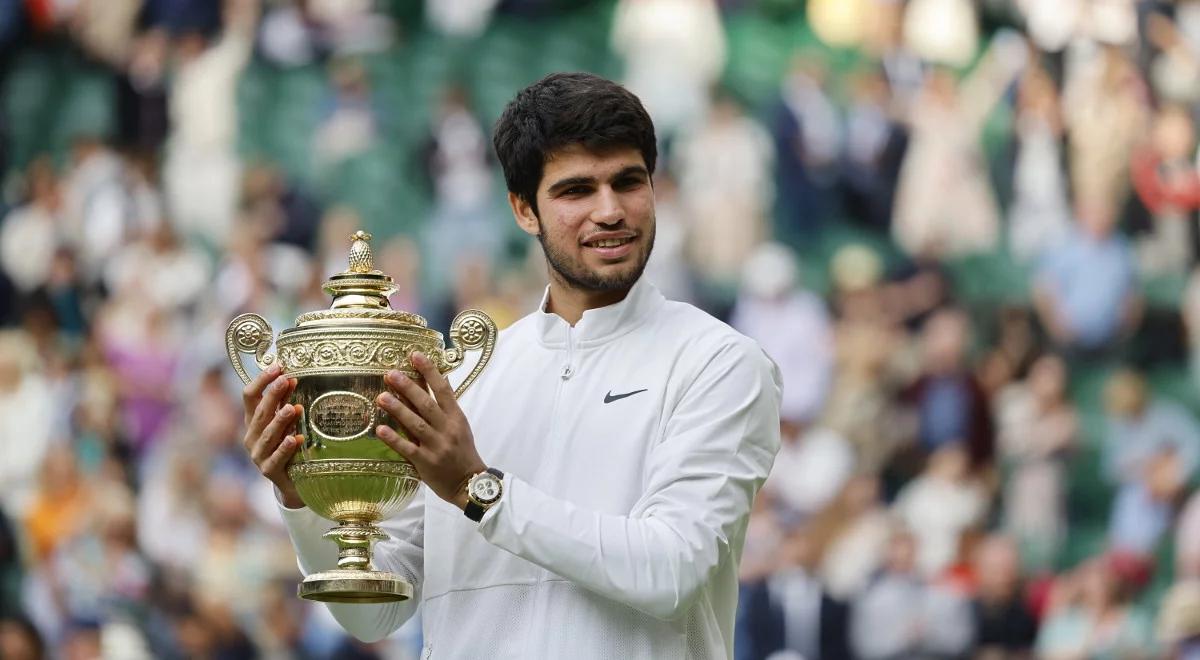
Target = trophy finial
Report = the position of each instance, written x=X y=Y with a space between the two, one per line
x=360 y=253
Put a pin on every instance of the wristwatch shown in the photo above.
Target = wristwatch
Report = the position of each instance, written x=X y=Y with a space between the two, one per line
x=483 y=491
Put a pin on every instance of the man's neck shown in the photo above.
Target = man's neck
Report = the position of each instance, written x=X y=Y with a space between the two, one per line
x=570 y=303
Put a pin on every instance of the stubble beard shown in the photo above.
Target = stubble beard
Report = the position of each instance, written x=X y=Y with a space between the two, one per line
x=577 y=276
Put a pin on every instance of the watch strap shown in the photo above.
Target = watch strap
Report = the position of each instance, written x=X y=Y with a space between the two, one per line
x=473 y=509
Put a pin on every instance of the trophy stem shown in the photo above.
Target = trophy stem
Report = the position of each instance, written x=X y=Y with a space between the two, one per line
x=354 y=539
x=354 y=581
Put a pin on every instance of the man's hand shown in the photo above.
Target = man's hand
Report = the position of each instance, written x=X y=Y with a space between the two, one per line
x=269 y=428
x=439 y=442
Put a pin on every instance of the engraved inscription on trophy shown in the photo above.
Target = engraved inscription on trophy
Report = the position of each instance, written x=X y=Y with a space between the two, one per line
x=341 y=415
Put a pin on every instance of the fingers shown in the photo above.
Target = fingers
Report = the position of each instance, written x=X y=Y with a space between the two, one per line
x=417 y=397
x=272 y=398
x=417 y=427
x=254 y=390
x=271 y=436
x=407 y=448
x=436 y=380
x=277 y=461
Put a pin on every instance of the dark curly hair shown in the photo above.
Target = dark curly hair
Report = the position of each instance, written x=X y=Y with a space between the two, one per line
x=564 y=109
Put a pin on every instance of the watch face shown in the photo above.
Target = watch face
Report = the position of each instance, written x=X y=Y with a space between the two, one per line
x=485 y=488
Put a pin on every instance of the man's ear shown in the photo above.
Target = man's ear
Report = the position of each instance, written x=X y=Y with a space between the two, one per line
x=524 y=214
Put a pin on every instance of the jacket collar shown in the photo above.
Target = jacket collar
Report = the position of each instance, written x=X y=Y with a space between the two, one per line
x=599 y=325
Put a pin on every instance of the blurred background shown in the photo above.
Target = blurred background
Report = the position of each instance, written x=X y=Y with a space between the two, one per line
x=966 y=230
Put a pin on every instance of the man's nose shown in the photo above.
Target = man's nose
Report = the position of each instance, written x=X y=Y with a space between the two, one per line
x=609 y=210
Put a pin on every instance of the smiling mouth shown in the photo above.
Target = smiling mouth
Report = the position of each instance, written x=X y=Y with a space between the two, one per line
x=608 y=242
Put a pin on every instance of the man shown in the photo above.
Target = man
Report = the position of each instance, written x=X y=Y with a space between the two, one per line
x=632 y=432
x=1085 y=291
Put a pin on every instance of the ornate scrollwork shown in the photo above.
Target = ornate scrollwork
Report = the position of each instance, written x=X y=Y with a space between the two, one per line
x=366 y=355
x=352 y=466
x=248 y=333
x=393 y=315
x=470 y=330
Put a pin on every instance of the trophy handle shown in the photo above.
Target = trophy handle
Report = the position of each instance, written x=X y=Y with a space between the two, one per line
x=249 y=333
x=470 y=330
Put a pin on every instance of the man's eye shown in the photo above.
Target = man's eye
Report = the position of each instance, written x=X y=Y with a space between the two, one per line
x=628 y=184
x=576 y=190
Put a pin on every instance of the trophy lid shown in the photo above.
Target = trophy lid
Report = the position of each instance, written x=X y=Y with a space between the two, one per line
x=360 y=294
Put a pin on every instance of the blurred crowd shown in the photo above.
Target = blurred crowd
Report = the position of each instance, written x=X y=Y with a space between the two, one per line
x=966 y=230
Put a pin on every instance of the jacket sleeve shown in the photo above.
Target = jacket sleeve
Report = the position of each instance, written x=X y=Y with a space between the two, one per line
x=402 y=553
x=717 y=447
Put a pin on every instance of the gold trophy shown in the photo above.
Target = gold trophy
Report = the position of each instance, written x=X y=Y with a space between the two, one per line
x=339 y=357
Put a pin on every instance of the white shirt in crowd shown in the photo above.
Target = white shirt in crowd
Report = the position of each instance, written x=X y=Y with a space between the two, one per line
x=633 y=444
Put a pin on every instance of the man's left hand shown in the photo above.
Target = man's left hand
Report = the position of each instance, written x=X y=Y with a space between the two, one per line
x=439 y=442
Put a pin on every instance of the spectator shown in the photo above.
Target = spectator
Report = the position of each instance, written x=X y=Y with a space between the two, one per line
x=853 y=534
x=1005 y=626
x=31 y=232
x=940 y=506
x=808 y=137
x=1038 y=430
x=871 y=362
x=350 y=123
x=946 y=399
x=1150 y=452
x=291 y=35
x=668 y=267
x=729 y=196
x=674 y=51
x=811 y=622
x=1104 y=108
x=875 y=143
x=142 y=92
x=902 y=615
x=293 y=214
x=463 y=218
x=757 y=632
x=1167 y=184
x=60 y=506
x=1085 y=291
x=96 y=204
x=812 y=466
x=201 y=171
x=1040 y=214
x=26 y=409
x=944 y=204
x=1094 y=618
x=772 y=298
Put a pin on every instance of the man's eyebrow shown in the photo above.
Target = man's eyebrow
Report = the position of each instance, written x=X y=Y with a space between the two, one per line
x=570 y=181
x=632 y=170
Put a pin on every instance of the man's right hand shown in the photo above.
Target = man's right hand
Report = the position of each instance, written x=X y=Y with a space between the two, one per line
x=270 y=424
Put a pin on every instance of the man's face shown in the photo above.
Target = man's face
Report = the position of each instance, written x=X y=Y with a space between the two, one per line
x=595 y=217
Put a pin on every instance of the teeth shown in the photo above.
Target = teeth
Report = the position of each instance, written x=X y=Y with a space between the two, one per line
x=609 y=242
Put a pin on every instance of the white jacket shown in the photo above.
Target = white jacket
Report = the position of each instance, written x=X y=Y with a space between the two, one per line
x=622 y=522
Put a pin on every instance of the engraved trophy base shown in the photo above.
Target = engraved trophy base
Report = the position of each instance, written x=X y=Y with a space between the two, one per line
x=355 y=586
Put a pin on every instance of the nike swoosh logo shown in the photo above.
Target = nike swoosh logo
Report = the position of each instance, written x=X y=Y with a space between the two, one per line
x=610 y=397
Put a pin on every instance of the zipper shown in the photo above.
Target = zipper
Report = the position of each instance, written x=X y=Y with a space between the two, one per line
x=540 y=604
x=568 y=369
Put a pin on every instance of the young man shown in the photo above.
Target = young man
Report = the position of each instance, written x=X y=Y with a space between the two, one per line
x=632 y=432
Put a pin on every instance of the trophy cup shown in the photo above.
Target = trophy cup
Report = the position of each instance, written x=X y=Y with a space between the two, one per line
x=339 y=357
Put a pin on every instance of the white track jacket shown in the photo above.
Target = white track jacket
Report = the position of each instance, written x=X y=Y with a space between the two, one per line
x=632 y=444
